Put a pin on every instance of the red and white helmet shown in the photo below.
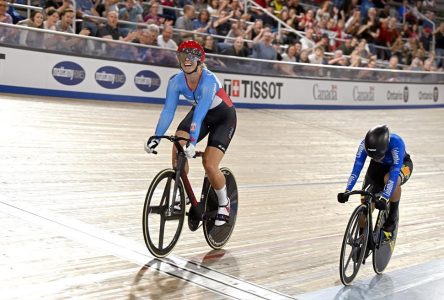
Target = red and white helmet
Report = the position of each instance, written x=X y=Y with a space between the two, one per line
x=192 y=47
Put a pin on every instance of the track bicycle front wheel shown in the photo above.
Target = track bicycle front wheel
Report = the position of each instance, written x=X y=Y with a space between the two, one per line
x=163 y=216
x=354 y=245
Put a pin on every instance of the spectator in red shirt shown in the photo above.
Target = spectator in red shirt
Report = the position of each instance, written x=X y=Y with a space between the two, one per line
x=384 y=39
x=262 y=3
x=153 y=17
x=307 y=21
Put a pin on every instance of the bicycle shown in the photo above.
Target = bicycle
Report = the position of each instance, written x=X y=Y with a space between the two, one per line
x=165 y=206
x=362 y=244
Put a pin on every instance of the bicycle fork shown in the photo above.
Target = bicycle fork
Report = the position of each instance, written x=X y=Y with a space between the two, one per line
x=178 y=175
x=370 y=242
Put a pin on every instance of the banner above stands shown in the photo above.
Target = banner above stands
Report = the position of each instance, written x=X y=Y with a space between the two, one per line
x=49 y=74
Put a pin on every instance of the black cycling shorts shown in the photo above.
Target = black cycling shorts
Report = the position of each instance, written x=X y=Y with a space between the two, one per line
x=219 y=123
x=376 y=172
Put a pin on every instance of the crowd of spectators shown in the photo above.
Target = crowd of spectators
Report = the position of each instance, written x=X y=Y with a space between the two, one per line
x=357 y=33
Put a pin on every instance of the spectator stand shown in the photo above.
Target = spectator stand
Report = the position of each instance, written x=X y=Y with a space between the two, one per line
x=249 y=5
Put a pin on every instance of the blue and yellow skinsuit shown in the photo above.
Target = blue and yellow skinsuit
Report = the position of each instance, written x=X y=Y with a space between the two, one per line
x=393 y=159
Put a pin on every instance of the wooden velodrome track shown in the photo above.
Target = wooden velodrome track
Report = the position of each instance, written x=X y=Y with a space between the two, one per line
x=74 y=176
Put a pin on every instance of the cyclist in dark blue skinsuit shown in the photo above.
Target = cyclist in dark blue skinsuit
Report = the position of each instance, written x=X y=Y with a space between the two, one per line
x=389 y=168
x=212 y=114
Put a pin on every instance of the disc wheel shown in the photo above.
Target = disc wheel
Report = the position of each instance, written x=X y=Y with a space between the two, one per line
x=218 y=236
x=385 y=246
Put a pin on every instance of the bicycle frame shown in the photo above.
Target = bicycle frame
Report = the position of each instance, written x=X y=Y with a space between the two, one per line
x=372 y=243
x=363 y=240
x=201 y=213
x=181 y=174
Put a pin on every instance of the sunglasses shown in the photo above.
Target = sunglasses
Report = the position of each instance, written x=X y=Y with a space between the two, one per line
x=187 y=56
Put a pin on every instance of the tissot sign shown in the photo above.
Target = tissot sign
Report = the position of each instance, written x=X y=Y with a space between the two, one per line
x=253 y=89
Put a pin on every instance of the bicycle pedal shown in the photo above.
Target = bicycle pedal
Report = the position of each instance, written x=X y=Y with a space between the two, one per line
x=194 y=225
x=367 y=253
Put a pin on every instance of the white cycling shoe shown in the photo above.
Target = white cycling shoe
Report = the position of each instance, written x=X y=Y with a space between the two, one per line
x=223 y=214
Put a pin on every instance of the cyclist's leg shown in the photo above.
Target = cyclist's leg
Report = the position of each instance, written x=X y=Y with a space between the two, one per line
x=211 y=161
x=183 y=130
x=373 y=182
x=389 y=224
x=219 y=139
x=404 y=176
x=222 y=125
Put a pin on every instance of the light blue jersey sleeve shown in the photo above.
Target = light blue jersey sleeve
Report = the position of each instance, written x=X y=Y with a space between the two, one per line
x=169 y=109
x=208 y=92
x=361 y=156
x=397 y=151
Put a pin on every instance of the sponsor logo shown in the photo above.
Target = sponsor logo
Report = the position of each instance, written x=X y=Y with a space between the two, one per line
x=193 y=127
x=230 y=134
x=364 y=95
x=361 y=149
x=351 y=179
x=425 y=96
x=328 y=93
x=110 y=77
x=253 y=89
x=399 y=95
x=429 y=95
x=405 y=170
x=405 y=95
x=68 y=73
x=147 y=81
x=395 y=154
x=234 y=87
x=389 y=187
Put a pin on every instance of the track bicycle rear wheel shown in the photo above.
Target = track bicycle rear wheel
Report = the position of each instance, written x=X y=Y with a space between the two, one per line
x=163 y=216
x=354 y=245
x=218 y=236
x=384 y=247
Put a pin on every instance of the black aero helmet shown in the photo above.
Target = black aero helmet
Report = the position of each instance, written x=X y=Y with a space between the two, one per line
x=376 y=141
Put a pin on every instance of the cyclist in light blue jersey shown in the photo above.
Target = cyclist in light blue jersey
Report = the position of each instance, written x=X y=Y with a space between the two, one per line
x=212 y=114
x=390 y=167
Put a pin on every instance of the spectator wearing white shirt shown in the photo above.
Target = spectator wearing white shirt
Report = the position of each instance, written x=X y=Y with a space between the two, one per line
x=52 y=17
x=317 y=57
x=307 y=42
x=164 y=40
